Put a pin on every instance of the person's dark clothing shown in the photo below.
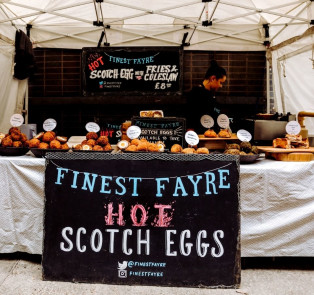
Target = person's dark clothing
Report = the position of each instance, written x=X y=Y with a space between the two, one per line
x=24 y=56
x=201 y=101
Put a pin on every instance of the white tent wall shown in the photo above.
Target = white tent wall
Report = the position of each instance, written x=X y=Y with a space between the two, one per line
x=293 y=75
x=12 y=91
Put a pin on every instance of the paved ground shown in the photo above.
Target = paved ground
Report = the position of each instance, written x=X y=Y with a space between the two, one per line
x=21 y=275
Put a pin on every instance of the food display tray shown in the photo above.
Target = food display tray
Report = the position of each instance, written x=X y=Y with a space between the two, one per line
x=248 y=159
x=90 y=151
x=13 y=151
x=289 y=155
x=41 y=153
x=145 y=152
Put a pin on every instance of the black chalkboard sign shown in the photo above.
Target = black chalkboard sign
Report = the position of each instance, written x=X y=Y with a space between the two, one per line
x=133 y=70
x=169 y=130
x=112 y=129
x=147 y=219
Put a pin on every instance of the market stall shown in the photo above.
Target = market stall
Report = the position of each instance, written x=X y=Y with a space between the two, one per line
x=224 y=189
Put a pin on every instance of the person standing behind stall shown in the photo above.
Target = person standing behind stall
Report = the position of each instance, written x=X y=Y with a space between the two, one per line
x=201 y=99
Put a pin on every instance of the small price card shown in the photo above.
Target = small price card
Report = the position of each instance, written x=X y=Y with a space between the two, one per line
x=192 y=138
x=244 y=135
x=92 y=127
x=133 y=132
x=49 y=124
x=223 y=121
x=207 y=121
x=16 y=120
x=293 y=127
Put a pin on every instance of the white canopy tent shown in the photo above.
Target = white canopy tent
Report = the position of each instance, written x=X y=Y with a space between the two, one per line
x=282 y=28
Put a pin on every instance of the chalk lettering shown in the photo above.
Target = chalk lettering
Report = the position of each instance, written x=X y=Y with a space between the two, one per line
x=179 y=187
x=126 y=74
x=160 y=186
x=201 y=248
x=134 y=212
x=111 y=232
x=198 y=178
x=222 y=178
x=217 y=241
x=64 y=232
x=170 y=242
x=212 y=182
x=125 y=249
x=104 y=74
x=138 y=211
x=95 y=64
x=164 y=219
x=169 y=77
x=145 y=242
x=185 y=248
x=145 y=60
x=96 y=233
x=78 y=240
x=88 y=182
x=60 y=174
x=109 y=217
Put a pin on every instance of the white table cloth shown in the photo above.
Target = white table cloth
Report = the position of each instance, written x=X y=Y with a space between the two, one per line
x=277 y=207
x=21 y=204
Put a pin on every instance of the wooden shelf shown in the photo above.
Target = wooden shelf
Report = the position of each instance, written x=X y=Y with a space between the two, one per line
x=218 y=143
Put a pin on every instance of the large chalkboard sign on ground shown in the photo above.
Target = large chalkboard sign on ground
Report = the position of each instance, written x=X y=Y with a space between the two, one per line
x=132 y=70
x=169 y=130
x=143 y=219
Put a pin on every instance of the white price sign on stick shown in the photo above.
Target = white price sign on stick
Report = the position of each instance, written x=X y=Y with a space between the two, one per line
x=207 y=121
x=49 y=124
x=133 y=132
x=92 y=127
x=223 y=121
x=192 y=138
x=16 y=120
x=244 y=135
x=293 y=127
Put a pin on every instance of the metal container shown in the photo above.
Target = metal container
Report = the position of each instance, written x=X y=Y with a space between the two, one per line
x=269 y=129
x=265 y=130
x=29 y=129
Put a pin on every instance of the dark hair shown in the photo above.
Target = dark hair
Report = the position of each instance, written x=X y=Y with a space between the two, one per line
x=215 y=70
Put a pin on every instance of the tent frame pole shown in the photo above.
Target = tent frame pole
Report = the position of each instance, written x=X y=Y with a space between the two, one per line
x=280 y=31
x=26 y=104
x=269 y=10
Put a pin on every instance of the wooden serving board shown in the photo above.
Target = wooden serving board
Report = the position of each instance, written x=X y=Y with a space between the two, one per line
x=233 y=137
x=289 y=155
x=271 y=149
x=217 y=143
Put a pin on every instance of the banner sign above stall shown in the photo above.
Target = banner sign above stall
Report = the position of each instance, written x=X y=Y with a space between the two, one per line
x=169 y=130
x=142 y=219
x=132 y=70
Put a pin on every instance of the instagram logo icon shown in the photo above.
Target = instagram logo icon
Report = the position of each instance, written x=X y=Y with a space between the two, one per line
x=122 y=272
